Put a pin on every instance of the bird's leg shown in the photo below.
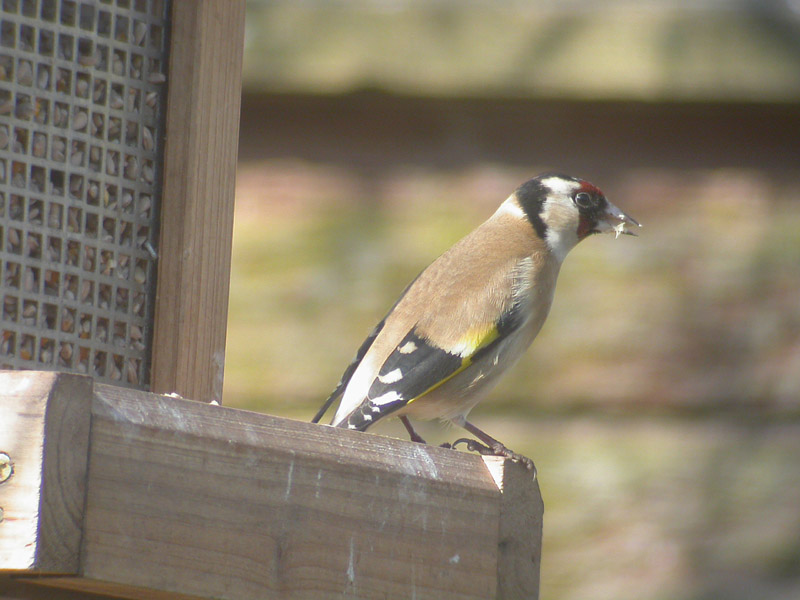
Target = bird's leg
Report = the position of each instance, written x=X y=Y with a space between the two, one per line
x=415 y=437
x=492 y=446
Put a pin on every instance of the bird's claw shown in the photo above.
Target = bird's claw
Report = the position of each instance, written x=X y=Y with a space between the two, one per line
x=473 y=446
x=493 y=450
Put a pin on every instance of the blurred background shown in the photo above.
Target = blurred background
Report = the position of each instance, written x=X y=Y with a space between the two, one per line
x=661 y=402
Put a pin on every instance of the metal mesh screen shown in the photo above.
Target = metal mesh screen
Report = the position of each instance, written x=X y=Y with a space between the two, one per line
x=82 y=101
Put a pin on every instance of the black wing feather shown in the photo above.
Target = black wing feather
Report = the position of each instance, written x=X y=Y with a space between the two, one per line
x=419 y=371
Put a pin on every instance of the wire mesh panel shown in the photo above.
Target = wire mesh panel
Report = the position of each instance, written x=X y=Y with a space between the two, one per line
x=82 y=99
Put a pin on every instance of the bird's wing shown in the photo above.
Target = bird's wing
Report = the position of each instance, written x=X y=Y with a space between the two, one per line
x=360 y=353
x=418 y=366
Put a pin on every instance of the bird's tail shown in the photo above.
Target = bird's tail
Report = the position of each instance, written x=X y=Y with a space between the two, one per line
x=327 y=404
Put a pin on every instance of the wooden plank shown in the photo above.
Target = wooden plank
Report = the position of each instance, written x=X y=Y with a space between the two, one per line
x=520 y=534
x=207 y=38
x=191 y=499
x=43 y=588
x=77 y=588
x=45 y=433
x=222 y=503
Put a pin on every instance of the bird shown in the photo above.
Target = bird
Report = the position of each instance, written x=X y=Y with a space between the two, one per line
x=470 y=315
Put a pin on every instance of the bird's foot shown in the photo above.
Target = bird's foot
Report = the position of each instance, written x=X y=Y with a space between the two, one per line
x=497 y=449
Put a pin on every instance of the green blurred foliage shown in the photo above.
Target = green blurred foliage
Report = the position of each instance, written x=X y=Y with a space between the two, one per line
x=656 y=49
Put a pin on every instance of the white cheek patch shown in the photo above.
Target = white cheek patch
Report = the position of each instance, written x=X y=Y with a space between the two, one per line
x=562 y=226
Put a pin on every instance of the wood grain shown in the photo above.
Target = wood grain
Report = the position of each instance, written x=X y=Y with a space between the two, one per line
x=188 y=499
x=222 y=503
x=45 y=430
x=520 y=534
x=202 y=127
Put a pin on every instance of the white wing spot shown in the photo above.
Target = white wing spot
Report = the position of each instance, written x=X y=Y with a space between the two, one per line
x=407 y=348
x=391 y=376
x=463 y=349
x=386 y=398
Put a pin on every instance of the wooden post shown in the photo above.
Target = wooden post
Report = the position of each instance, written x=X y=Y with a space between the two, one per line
x=207 y=40
x=188 y=498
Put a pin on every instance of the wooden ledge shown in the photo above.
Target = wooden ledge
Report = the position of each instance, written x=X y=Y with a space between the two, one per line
x=138 y=495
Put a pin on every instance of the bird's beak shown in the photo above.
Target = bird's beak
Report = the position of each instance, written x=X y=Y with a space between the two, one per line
x=613 y=219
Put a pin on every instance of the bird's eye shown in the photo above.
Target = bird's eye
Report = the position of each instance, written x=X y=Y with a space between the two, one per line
x=583 y=200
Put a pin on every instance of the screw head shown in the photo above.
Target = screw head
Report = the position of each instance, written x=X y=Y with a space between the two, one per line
x=6 y=467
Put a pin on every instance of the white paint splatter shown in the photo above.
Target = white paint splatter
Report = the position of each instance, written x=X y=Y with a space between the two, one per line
x=289 y=481
x=351 y=572
x=425 y=461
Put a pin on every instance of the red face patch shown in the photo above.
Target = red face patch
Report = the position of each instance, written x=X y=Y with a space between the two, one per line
x=588 y=221
x=585 y=226
x=590 y=188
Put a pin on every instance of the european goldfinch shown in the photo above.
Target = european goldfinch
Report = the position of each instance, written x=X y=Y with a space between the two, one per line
x=472 y=313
